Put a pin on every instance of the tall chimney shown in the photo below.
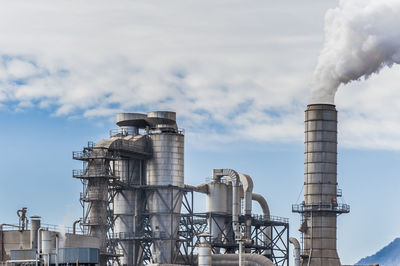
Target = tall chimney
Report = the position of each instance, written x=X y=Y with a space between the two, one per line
x=320 y=208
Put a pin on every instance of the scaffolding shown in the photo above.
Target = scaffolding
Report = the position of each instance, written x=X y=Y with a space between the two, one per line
x=99 y=163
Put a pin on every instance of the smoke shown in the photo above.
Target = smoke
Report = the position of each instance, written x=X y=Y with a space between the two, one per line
x=62 y=236
x=361 y=38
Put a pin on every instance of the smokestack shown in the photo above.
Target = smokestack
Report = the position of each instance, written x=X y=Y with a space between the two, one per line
x=320 y=208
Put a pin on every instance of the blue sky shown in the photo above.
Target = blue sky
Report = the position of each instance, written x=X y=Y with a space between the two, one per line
x=238 y=75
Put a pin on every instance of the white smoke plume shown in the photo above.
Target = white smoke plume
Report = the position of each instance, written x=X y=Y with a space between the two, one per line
x=361 y=37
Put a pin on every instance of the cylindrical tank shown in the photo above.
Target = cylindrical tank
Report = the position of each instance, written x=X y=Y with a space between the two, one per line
x=35 y=225
x=165 y=168
x=217 y=205
x=46 y=246
x=204 y=250
x=320 y=189
x=125 y=205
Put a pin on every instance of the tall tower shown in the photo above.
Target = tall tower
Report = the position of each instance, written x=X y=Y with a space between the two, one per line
x=320 y=207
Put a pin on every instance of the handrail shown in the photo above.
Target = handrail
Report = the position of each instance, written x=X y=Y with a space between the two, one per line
x=322 y=206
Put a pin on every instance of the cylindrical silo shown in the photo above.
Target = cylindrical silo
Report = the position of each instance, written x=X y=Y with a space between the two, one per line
x=124 y=209
x=127 y=201
x=165 y=168
x=217 y=206
x=320 y=189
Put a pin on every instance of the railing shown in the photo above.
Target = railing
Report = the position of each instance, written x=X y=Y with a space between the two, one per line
x=131 y=146
x=329 y=207
x=270 y=218
x=86 y=154
x=85 y=173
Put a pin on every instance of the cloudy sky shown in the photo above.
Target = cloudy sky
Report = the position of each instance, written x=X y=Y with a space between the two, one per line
x=238 y=75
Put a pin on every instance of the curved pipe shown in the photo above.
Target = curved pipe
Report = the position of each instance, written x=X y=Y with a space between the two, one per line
x=233 y=260
x=296 y=251
x=263 y=204
x=74 y=226
x=247 y=186
x=217 y=174
x=247 y=183
x=265 y=208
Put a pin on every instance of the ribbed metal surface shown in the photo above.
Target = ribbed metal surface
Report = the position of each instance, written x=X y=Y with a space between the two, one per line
x=320 y=184
x=165 y=168
x=125 y=205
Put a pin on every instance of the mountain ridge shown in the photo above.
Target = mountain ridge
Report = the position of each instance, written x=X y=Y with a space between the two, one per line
x=387 y=256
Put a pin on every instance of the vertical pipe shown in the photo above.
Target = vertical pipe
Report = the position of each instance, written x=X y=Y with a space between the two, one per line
x=296 y=251
x=46 y=246
x=235 y=209
x=35 y=225
x=57 y=249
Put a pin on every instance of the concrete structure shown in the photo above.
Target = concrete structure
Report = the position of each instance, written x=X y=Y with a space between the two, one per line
x=320 y=207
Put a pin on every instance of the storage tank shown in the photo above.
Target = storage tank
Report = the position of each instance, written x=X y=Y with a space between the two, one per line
x=127 y=201
x=217 y=205
x=165 y=168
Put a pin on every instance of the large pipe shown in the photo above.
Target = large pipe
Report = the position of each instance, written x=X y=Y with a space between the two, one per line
x=247 y=187
x=233 y=260
x=217 y=174
x=296 y=251
x=268 y=229
x=203 y=188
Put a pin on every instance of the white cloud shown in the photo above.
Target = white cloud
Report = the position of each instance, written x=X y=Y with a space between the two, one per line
x=231 y=69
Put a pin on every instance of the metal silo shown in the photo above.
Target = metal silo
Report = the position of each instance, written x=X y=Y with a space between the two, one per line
x=165 y=172
x=127 y=201
x=217 y=208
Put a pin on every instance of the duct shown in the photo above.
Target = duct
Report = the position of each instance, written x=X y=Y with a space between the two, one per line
x=233 y=260
x=247 y=186
x=203 y=188
x=265 y=208
x=296 y=251
x=217 y=174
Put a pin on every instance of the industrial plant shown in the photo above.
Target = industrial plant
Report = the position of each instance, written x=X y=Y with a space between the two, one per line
x=138 y=210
